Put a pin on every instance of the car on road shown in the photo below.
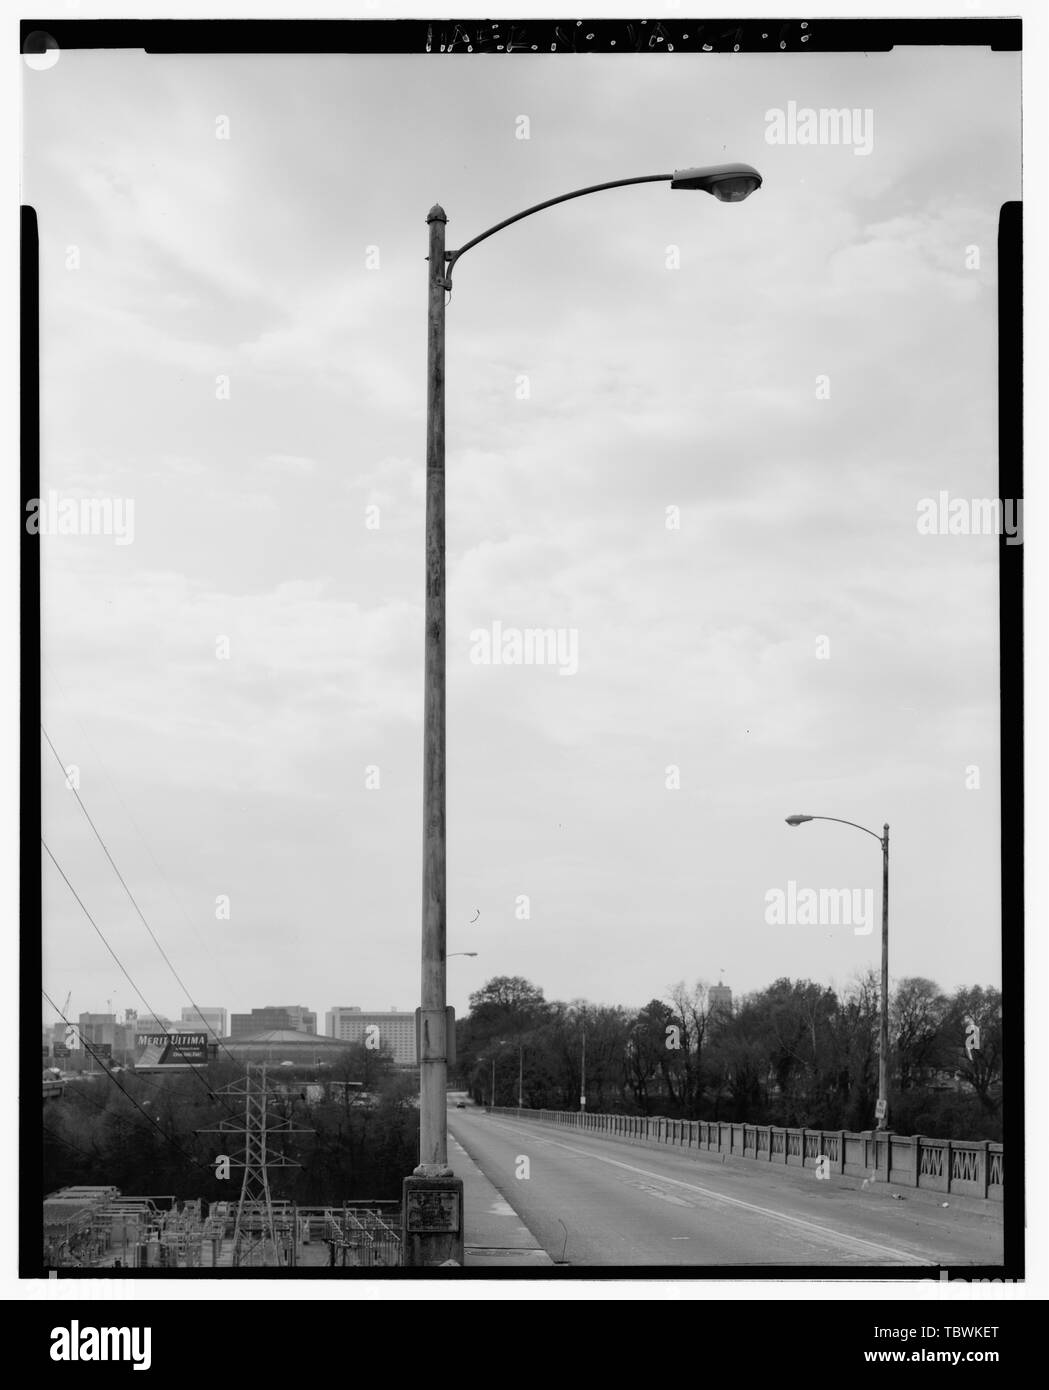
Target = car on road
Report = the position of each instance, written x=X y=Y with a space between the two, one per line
x=460 y=1105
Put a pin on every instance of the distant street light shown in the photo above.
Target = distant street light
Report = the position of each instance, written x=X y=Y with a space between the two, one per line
x=883 y=1031
x=582 y=1078
x=503 y=1042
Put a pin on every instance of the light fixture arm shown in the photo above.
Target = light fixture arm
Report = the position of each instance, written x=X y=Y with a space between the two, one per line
x=452 y=256
x=839 y=821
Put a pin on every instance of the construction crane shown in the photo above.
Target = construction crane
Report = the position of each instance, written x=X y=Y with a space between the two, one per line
x=65 y=1020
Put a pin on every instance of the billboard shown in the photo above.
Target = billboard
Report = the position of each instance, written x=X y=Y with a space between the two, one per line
x=173 y=1049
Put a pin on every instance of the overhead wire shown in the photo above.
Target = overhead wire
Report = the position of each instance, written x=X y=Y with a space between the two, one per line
x=108 y=1073
x=101 y=764
x=131 y=896
x=179 y=1050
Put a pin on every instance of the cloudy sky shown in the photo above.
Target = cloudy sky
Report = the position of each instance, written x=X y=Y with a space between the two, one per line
x=794 y=374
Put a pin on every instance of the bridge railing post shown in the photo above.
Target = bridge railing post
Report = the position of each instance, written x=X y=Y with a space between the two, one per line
x=985 y=1167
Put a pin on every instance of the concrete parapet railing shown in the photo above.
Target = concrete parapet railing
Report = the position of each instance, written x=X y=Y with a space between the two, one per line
x=969 y=1168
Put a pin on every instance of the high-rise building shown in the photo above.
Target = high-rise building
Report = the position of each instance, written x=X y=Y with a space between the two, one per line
x=212 y=1019
x=720 y=997
x=392 y=1031
x=98 y=1028
x=295 y=1018
x=333 y=1019
x=150 y=1024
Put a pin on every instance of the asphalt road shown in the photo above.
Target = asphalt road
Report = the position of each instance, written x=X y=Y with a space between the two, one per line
x=622 y=1204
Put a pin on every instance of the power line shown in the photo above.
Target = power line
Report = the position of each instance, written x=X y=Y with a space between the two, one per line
x=100 y=761
x=120 y=964
x=84 y=1094
x=106 y=1072
x=131 y=896
x=49 y=1134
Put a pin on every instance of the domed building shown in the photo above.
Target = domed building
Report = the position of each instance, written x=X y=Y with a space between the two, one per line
x=283 y=1045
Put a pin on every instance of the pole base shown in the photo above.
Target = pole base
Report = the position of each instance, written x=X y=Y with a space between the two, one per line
x=432 y=1221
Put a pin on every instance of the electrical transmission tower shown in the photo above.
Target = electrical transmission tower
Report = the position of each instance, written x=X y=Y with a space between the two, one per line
x=261 y=1235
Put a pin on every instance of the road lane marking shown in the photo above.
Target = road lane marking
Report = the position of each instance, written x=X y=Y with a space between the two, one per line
x=826 y=1232
x=663 y=1196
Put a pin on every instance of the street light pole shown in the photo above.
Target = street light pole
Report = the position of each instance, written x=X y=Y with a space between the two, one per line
x=883 y=1034
x=520 y=1074
x=433 y=1120
x=432 y=1206
x=582 y=1081
x=883 y=1028
x=729 y=183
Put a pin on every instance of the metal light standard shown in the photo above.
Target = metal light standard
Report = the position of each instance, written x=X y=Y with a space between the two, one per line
x=882 y=1114
x=582 y=1075
x=729 y=183
x=520 y=1070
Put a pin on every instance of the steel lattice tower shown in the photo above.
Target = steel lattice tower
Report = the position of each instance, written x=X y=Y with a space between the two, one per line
x=258 y=1235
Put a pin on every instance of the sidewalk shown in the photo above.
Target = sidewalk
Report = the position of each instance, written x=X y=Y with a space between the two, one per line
x=495 y=1234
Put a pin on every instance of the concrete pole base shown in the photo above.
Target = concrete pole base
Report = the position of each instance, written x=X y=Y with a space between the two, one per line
x=432 y=1229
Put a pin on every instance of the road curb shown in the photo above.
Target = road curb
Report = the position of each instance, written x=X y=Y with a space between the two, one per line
x=496 y=1236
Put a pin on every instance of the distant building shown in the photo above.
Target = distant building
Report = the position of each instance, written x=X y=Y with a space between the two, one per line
x=720 y=997
x=293 y=1018
x=98 y=1028
x=149 y=1023
x=392 y=1031
x=333 y=1019
x=278 y=1045
x=213 y=1020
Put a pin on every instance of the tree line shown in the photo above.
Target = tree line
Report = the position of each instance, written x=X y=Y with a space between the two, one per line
x=143 y=1133
x=794 y=1054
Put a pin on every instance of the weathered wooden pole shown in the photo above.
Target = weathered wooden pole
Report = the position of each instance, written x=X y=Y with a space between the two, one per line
x=883 y=1032
x=433 y=1214
x=433 y=1128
